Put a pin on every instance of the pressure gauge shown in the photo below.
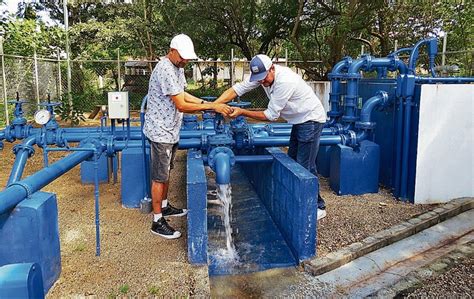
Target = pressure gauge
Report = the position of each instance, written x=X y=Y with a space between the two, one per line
x=42 y=116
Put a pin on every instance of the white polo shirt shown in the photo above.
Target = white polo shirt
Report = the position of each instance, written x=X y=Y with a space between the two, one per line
x=290 y=97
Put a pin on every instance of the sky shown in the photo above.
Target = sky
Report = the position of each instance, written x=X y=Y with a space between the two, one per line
x=12 y=5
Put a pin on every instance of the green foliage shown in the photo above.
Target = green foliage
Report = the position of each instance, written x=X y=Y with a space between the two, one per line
x=153 y=290
x=23 y=37
x=82 y=102
x=123 y=289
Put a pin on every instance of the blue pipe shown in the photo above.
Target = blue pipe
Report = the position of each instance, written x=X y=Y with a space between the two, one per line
x=398 y=146
x=96 y=204
x=397 y=53
x=26 y=150
x=406 y=147
x=249 y=159
x=432 y=51
x=20 y=190
x=189 y=143
x=452 y=80
x=370 y=104
x=222 y=168
x=335 y=93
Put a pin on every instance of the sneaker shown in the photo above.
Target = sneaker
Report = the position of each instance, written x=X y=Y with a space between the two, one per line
x=172 y=211
x=162 y=229
x=321 y=214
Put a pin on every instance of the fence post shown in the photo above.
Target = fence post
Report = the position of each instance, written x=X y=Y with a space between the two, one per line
x=35 y=59
x=445 y=42
x=232 y=67
x=68 y=52
x=118 y=67
x=4 y=81
x=396 y=45
x=286 y=57
x=60 y=83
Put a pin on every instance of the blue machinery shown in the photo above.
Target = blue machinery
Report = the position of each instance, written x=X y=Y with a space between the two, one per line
x=356 y=155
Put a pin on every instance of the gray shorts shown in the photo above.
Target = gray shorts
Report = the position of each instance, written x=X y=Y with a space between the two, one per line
x=162 y=160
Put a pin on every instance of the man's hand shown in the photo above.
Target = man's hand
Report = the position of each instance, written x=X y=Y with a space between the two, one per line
x=237 y=111
x=222 y=108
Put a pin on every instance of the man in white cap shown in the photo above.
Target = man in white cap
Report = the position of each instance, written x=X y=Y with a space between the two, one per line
x=166 y=103
x=293 y=100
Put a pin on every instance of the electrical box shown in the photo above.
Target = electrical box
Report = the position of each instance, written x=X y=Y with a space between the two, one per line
x=118 y=105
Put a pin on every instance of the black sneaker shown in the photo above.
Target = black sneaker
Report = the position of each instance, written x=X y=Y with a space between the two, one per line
x=162 y=229
x=172 y=211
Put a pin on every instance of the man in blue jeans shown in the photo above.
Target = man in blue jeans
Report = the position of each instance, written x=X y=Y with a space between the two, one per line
x=293 y=100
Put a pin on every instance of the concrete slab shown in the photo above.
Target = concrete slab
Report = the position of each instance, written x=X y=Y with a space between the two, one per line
x=388 y=265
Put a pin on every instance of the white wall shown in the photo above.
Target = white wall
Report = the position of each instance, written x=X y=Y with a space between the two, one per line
x=321 y=89
x=445 y=161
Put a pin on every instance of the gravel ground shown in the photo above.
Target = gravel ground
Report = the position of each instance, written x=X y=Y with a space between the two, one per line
x=133 y=262
x=457 y=282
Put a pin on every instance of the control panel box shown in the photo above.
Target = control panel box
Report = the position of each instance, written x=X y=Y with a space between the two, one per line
x=118 y=105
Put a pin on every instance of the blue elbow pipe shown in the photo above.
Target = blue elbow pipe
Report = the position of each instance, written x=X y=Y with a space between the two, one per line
x=222 y=168
x=432 y=51
x=20 y=190
x=370 y=104
x=24 y=151
x=399 y=51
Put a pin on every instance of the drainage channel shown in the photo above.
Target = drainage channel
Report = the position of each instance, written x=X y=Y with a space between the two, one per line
x=258 y=242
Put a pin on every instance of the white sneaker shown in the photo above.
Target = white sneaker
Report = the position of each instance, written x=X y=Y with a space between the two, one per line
x=321 y=214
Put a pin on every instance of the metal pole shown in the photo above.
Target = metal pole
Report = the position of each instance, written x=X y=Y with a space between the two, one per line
x=68 y=52
x=445 y=42
x=232 y=66
x=60 y=83
x=286 y=57
x=36 y=77
x=118 y=67
x=396 y=45
x=4 y=81
x=361 y=50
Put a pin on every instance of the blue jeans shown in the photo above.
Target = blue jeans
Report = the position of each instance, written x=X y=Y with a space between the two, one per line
x=304 y=147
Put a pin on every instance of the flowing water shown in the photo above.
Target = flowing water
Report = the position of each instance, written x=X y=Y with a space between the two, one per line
x=224 y=194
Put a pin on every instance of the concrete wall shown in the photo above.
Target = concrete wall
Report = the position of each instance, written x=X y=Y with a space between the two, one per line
x=289 y=192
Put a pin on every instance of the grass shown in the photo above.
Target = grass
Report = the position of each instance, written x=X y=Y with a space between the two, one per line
x=123 y=289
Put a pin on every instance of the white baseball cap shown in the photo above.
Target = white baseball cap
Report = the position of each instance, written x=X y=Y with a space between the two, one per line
x=259 y=67
x=184 y=45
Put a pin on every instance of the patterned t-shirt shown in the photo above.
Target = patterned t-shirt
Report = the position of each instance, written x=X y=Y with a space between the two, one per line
x=162 y=118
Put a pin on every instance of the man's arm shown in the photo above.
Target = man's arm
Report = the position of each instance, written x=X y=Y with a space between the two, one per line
x=189 y=98
x=226 y=96
x=186 y=107
x=258 y=115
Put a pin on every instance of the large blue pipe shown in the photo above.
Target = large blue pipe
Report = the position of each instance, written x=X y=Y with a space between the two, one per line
x=406 y=148
x=432 y=51
x=22 y=156
x=18 y=191
x=459 y=80
x=222 y=168
x=335 y=93
x=370 y=104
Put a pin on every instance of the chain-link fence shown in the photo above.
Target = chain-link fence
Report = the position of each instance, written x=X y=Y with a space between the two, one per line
x=36 y=80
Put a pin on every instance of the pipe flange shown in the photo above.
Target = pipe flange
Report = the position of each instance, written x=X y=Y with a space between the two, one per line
x=60 y=141
x=353 y=138
x=24 y=186
x=204 y=143
x=339 y=128
x=217 y=150
x=29 y=148
x=9 y=136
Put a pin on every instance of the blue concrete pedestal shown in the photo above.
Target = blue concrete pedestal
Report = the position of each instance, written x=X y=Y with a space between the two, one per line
x=30 y=234
x=21 y=281
x=323 y=161
x=356 y=171
x=87 y=171
x=133 y=177
x=196 y=191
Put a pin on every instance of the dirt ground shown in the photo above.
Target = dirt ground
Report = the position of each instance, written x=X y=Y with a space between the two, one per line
x=134 y=262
